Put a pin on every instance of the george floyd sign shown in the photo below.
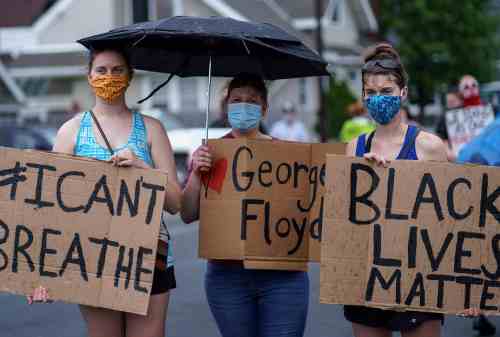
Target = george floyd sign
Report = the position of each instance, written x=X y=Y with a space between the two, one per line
x=466 y=123
x=263 y=203
x=84 y=229
x=426 y=240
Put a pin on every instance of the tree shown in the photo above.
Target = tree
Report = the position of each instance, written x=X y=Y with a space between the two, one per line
x=441 y=40
x=338 y=98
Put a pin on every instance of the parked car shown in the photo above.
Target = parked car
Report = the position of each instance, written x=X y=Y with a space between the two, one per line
x=185 y=142
x=23 y=138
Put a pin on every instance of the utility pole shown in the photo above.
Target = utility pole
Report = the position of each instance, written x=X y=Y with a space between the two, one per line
x=322 y=114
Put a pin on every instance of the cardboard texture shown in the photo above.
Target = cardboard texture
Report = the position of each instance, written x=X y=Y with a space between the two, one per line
x=466 y=123
x=262 y=203
x=419 y=236
x=84 y=229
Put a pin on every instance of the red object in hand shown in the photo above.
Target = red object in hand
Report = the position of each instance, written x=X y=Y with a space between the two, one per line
x=215 y=178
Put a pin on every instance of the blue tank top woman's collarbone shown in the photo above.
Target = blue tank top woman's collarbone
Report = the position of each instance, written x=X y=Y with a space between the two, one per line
x=408 y=150
x=87 y=145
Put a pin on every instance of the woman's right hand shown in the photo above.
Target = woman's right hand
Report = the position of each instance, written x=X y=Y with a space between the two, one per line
x=40 y=295
x=202 y=160
x=378 y=159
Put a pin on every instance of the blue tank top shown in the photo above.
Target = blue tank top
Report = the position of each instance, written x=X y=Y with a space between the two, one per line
x=408 y=150
x=87 y=146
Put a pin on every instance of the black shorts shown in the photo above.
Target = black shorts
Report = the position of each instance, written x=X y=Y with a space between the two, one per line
x=163 y=278
x=388 y=319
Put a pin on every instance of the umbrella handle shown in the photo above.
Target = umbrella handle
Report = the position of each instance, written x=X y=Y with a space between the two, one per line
x=208 y=98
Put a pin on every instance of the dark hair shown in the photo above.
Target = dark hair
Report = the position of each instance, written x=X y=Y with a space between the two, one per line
x=126 y=57
x=248 y=80
x=384 y=52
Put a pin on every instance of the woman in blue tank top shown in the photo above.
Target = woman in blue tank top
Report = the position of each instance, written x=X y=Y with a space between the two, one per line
x=111 y=132
x=384 y=88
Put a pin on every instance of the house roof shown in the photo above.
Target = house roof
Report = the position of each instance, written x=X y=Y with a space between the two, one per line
x=264 y=11
x=23 y=12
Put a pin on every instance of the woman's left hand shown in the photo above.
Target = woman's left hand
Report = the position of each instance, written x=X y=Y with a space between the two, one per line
x=471 y=312
x=127 y=158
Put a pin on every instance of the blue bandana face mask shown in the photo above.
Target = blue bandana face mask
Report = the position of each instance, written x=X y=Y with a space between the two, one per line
x=244 y=116
x=382 y=108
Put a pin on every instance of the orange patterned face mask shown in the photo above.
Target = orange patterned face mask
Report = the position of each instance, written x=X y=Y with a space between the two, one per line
x=110 y=87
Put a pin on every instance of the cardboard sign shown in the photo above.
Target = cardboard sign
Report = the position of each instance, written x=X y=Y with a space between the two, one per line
x=466 y=123
x=420 y=236
x=263 y=203
x=84 y=229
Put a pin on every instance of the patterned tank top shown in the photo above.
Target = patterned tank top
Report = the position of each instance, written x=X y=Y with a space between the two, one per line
x=87 y=146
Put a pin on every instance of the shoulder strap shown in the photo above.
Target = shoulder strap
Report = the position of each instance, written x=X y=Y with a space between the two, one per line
x=102 y=132
x=360 y=146
x=409 y=144
x=368 y=147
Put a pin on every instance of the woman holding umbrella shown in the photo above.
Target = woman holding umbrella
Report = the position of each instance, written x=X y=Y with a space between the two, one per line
x=111 y=132
x=247 y=303
x=384 y=89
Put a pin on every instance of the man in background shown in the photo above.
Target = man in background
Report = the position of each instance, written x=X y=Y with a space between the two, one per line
x=289 y=127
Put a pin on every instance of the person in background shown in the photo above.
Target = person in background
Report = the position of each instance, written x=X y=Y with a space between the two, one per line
x=467 y=96
x=111 y=132
x=385 y=87
x=290 y=128
x=359 y=123
x=246 y=302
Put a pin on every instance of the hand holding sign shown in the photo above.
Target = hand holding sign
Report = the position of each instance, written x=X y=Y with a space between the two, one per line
x=202 y=160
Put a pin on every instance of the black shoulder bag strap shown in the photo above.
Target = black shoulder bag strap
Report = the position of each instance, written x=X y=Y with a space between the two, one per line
x=102 y=132
x=368 y=146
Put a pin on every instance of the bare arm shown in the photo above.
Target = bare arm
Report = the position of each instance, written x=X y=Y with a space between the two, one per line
x=202 y=160
x=66 y=136
x=430 y=147
x=163 y=158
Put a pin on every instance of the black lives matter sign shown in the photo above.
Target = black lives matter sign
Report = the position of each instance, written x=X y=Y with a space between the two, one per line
x=84 y=229
x=417 y=236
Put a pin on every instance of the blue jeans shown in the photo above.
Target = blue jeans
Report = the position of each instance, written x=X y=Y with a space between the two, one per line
x=257 y=303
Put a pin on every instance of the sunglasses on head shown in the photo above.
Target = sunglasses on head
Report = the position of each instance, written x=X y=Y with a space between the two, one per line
x=385 y=64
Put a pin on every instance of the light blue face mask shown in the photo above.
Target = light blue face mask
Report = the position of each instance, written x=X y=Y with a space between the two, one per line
x=244 y=116
x=382 y=108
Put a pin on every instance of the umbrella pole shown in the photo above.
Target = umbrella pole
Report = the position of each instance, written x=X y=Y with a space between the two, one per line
x=208 y=98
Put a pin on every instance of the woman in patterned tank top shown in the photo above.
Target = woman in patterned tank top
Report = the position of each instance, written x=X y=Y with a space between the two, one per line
x=136 y=141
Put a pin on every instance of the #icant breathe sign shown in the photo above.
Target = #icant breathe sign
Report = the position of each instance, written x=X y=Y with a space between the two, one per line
x=413 y=236
x=84 y=229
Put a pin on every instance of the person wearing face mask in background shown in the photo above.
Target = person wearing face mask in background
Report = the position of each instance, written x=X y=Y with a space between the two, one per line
x=290 y=128
x=385 y=87
x=111 y=132
x=246 y=302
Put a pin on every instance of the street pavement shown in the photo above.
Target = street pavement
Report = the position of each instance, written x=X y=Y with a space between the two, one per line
x=188 y=314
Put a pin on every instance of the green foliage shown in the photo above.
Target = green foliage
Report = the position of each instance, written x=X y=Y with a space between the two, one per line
x=337 y=100
x=441 y=40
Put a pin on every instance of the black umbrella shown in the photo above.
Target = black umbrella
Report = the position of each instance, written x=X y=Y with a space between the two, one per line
x=186 y=46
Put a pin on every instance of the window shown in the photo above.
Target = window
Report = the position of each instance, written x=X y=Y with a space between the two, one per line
x=140 y=11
